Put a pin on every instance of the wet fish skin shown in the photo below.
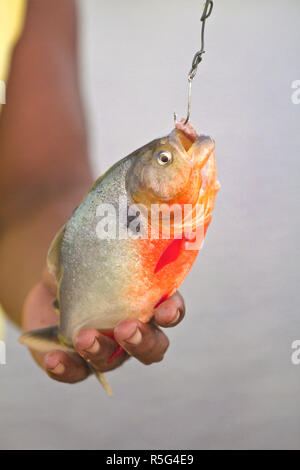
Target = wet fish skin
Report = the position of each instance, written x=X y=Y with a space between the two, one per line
x=103 y=281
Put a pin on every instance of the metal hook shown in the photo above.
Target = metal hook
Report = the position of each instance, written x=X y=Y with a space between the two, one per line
x=197 y=58
x=189 y=100
x=189 y=103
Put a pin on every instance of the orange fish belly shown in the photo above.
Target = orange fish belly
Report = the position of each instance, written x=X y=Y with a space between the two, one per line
x=163 y=265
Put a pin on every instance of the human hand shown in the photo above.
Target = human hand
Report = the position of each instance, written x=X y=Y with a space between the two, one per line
x=146 y=342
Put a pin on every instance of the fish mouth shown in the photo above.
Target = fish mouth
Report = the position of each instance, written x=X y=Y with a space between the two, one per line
x=201 y=150
x=196 y=150
x=185 y=140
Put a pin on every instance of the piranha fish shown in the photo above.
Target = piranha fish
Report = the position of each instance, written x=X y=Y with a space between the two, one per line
x=104 y=277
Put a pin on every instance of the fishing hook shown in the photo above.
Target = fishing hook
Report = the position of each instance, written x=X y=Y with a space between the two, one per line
x=197 y=58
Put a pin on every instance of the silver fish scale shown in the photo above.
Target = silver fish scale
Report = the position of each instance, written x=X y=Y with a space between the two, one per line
x=96 y=273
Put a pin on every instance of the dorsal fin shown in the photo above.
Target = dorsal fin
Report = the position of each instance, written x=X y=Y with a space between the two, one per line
x=53 y=257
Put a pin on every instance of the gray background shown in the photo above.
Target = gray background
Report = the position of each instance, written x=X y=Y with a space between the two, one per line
x=227 y=380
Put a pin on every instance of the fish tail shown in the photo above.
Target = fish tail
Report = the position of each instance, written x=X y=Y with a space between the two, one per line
x=102 y=380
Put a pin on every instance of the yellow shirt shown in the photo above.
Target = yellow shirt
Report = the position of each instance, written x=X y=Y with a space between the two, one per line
x=12 y=14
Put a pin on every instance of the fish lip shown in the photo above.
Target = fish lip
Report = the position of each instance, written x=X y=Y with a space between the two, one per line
x=179 y=139
x=201 y=150
x=198 y=151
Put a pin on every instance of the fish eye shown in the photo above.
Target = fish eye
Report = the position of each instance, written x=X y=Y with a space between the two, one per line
x=164 y=158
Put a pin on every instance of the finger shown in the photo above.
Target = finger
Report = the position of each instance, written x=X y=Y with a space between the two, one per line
x=170 y=312
x=98 y=349
x=65 y=367
x=144 y=341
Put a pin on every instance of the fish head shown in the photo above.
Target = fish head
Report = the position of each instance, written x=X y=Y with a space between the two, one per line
x=176 y=169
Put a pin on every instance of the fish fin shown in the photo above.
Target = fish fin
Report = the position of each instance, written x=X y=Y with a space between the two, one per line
x=44 y=340
x=102 y=380
x=117 y=353
x=53 y=257
x=170 y=254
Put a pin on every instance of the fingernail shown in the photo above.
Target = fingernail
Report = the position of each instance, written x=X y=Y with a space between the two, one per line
x=95 y=348
x=59 y=369
x=136 y=338
x=176 y=318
